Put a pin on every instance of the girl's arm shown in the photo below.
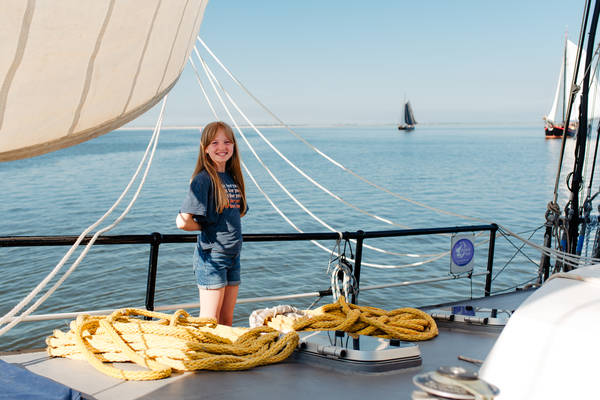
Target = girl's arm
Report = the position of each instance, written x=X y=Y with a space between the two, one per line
x=186 y=222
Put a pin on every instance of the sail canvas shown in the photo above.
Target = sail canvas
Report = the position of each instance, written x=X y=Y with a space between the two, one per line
x=565 y=78
x=73 y=70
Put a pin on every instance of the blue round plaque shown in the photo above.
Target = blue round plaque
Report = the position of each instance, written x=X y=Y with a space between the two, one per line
x=462 y=252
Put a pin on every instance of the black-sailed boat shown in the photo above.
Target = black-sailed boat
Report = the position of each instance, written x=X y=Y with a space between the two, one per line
x=407 y=119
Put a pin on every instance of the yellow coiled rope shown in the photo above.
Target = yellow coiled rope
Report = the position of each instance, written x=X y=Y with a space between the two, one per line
x=185 y=343
x=174 y=342
x=407 y=324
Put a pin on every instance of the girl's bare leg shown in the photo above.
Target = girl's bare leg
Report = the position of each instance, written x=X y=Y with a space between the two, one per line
x=211 y=301
x=228 y=304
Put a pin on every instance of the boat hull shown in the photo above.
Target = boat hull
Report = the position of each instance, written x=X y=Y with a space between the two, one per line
x=556 y=131
x=406 y=127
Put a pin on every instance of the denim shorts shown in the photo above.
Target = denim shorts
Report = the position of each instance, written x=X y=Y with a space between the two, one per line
x=215 y=270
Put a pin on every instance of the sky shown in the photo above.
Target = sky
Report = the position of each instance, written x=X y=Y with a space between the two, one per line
x=355 y=62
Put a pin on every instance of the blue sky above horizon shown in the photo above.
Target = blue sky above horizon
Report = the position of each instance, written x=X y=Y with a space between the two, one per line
x=354 y=62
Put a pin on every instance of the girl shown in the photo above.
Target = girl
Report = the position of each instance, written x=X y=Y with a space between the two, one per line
x=214 y=205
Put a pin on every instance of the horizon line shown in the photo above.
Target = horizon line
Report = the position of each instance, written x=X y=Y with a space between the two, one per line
x=338 y=125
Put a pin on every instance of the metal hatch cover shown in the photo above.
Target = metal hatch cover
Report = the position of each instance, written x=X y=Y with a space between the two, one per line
x=366 y=354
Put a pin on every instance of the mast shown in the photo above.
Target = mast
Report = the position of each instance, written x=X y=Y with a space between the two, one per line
x=573 y=212
x=564 y=84
x=553 y=217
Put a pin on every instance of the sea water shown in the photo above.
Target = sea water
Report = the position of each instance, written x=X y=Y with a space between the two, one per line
x=501 y=174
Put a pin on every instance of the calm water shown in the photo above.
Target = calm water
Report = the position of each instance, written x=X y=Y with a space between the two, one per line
x=503 y=174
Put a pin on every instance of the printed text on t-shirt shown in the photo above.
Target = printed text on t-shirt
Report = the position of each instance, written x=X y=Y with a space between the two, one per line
x=233 y=195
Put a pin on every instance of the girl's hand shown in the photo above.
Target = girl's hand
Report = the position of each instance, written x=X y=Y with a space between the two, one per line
x=186 y=222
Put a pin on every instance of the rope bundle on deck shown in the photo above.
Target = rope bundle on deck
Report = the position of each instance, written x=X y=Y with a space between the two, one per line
x=407 y=324
x=175 y=341
x=185 y=343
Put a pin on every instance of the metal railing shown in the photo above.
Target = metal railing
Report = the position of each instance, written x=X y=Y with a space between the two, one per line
x=156 y=239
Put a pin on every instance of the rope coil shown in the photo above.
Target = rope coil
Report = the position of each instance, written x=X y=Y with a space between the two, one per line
x=177 y=341
x=407 y=324
x=184 y=343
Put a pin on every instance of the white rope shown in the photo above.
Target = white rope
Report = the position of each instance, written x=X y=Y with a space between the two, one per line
x=277 y=209
x=588 y=279
x=563 y=256
x=566 y=258
x=202 y=87
x=289 y=221
x=380 y=266
x=75 y=314
x=14 y=321
x=430 y=280
x=212 y=79
x=294 y=166
x=321 y=153
x=569 y=259
x=590 y=122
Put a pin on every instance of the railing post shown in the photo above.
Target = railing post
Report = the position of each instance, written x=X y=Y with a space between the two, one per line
x=490 y=263
x=152 y=267
x=360 y=235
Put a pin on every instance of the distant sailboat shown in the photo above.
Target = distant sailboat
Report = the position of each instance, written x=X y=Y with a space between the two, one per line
x=407 y=119
x=555 y=120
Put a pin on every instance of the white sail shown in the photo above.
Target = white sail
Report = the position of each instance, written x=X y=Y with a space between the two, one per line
x=71 y=70
x=561 y=96
x=594 y=97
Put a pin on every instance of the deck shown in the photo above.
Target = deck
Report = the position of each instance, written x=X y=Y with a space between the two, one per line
x=290 y=379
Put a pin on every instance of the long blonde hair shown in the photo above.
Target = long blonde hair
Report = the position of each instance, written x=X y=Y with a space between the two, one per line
x=232 y=167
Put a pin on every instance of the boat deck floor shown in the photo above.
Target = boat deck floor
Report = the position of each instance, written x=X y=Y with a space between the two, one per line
x=290 y=379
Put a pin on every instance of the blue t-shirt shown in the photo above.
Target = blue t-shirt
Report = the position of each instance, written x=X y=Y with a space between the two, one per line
x=220 y=232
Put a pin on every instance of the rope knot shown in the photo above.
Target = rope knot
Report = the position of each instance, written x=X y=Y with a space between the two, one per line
x=176 y=315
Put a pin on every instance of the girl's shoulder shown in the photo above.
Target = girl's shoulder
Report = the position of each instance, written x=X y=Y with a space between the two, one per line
x=203 y=178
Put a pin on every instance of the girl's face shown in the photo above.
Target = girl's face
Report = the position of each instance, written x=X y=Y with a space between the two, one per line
x=220 y=150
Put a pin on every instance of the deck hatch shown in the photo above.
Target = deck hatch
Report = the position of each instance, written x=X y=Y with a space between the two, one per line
x=366 y=354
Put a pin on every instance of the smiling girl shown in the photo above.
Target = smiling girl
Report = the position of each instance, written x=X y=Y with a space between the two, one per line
x=214 y=205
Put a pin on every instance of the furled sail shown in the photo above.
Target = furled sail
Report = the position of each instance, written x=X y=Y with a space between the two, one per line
x=71 y=70
x=561 y=96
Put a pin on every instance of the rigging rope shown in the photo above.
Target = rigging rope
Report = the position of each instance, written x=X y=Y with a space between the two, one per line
x=593 y=83
x=9 y=316
x=564 y=257
x=321 y=153
x=573 y=89
x=515 y=254
x=202 y=88
x=212 y=80
x=212 y=77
